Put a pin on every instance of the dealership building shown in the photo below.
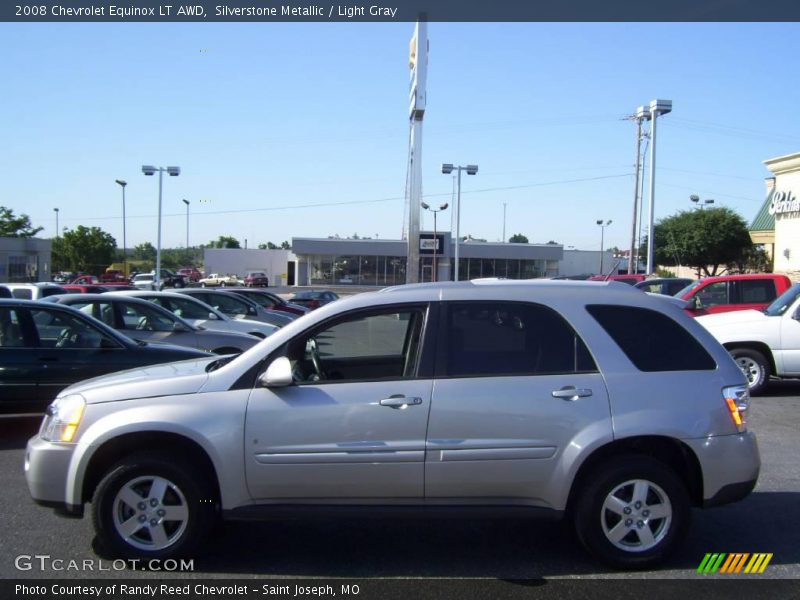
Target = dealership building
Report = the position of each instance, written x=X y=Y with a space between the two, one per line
x=377 y=262
x=777 y=224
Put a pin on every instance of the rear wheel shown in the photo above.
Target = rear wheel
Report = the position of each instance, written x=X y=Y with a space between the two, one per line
x=754 y=366
x=149 y=506
x=632 y=512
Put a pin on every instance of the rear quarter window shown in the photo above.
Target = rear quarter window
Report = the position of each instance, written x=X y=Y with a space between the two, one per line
x=651 y=340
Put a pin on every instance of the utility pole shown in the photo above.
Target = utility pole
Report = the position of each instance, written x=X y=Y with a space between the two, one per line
x=642 y=114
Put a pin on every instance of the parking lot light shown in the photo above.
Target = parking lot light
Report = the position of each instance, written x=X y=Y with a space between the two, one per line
x=448 y=168
x=173 y=172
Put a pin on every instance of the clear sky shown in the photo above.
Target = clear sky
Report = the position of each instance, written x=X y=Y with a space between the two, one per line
x=267 y=120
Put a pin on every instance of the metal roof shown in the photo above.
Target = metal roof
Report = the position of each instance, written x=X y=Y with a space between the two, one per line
x=764 y=221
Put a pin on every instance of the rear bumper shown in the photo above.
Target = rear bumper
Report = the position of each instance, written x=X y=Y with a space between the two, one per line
x=730 y=465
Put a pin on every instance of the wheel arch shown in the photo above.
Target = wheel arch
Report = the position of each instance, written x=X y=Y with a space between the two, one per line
x=172 y=444
x=669 y=451
x=760 y=347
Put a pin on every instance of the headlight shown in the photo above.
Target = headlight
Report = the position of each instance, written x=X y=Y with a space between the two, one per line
x=63 y=417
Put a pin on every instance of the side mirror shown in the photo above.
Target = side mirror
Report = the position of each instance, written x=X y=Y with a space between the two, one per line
x=278 y=374
x=179 y=327
x=697 y=304
x=212 y=317
x=251 y=311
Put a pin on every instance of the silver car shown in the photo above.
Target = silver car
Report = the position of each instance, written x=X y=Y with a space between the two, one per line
x=145 y=321
x=591 y=400
x=200 y=314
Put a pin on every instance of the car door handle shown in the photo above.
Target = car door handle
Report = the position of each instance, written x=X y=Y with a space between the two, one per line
x=400 y=401
x=570 y=392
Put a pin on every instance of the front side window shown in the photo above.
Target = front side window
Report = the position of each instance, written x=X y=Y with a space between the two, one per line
x=510 y=338
x=652 y=341
x=143 y=318
x=370 y=346
x=58 y=329
x=713 y=294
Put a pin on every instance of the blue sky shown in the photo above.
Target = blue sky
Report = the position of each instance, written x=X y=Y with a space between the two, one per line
x=265 y=119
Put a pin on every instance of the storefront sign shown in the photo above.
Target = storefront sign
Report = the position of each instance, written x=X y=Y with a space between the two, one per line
x=784 y=203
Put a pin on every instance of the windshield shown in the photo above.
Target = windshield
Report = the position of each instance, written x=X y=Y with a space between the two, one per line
x=689 y=288
x=781 y=304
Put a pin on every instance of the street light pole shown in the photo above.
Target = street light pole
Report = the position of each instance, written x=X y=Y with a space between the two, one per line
x=56 y=211
x=173 y=172
x=642 y=114
x=602 y=241
x=448 y=168
x=424 y=205
x=657 y=108
x=702 y=204
x=186 y=202
x=122 y=183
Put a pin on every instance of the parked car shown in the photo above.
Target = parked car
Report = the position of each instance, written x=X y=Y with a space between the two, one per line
x=734 y=292
x=630 y=279
x=34 y=291
x=218 y=280
x=765 y=344
x=72 y=288
x=239 y=307
x=588 y=400
x=143 y=320
x=201 y=315
x=44 y=347
x=146 y=281
x=312 y=299
x=190 y=274
x=171 y=279
x=256 y=279
x=668 y=286
x=113 y=276
x=270 y=301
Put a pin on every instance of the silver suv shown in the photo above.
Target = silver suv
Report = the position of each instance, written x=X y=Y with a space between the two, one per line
x=586 y=399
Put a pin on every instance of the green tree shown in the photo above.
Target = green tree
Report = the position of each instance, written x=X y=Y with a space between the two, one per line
x=286 y=245
x=86 y=249
x=224 y=241
x=145 y=251
x=518 y=238
x=706 y=240
x=13 y=226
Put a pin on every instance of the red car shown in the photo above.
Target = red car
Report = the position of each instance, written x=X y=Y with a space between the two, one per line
x=631 y=279
x=733 y=292
x=256 y=279
x=190 y=274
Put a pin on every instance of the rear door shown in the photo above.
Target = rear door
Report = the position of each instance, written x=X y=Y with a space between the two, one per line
x=515 y=388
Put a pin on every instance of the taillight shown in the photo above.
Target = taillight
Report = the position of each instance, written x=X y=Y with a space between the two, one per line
x=737 y=400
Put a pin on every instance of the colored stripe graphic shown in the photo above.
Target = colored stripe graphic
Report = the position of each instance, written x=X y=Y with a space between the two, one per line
x=724 y=563
x=758 y=563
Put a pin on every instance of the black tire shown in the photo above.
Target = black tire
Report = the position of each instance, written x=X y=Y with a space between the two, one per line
x=618 y=500
x=754 y=366
x=187 y=495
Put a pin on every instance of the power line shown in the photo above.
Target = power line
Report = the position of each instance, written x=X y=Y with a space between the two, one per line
x=355 y=202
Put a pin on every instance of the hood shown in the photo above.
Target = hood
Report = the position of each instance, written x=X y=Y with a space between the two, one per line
x=733 y=318
x=184 y=377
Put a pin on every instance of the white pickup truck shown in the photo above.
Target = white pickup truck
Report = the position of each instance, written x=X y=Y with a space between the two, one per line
x=218 y=280
x=763 y=343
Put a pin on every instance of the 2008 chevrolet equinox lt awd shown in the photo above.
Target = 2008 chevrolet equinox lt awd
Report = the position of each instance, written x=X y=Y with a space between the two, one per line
x=591 y=400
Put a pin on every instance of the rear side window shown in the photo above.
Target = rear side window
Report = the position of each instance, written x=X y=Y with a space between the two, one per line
x=651 y=340
x=510 y=338
x=753 y=291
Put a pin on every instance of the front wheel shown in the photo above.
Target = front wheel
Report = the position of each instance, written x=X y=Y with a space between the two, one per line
x=632 y=511
x=149 y=506
x=754 y=366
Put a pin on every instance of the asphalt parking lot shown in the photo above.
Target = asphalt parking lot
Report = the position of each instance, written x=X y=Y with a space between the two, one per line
x=497 y=550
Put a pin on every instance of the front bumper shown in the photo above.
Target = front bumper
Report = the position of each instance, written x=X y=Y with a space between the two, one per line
x=46 y=471
x=730 y=465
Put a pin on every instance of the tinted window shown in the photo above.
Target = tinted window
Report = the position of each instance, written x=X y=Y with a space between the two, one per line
x=713 y=294
x=651 y=340
x=363 y=347
x=23 y=293
x=494 y=339
x=756 y=290
x=10 y=329
x=57 y=329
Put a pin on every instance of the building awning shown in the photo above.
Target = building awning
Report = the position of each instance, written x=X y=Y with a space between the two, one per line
x=764 y=221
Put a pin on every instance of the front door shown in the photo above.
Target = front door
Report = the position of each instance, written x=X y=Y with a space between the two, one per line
x=352 y=426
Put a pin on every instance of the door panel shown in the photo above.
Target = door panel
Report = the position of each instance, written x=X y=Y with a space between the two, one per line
x=335 y=440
